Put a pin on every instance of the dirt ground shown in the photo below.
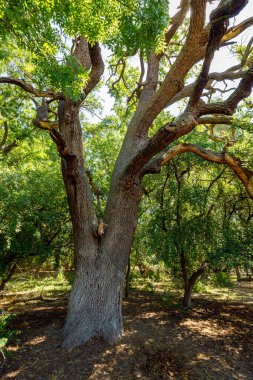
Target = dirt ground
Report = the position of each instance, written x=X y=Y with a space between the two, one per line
x=214 y=340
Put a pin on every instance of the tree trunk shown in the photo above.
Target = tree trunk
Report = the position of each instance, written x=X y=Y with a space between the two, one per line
x=189 y=284
x=96 y=298
x=238 y=274
x=127 y=278
x=95 y=302
x=187 y=299
x=8 y=277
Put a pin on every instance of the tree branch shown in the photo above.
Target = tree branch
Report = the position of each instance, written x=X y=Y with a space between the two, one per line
x=97 y=68
x=177 y=20
x=236 y=30
x=245 y=175
x=218 y=77
x=219 y=23
x=30 y=89
x=218 y=119
x=228 y=107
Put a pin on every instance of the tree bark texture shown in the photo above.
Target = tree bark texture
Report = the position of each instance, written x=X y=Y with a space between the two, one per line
x=101 y=261
x=238 y=273
x=187 y=298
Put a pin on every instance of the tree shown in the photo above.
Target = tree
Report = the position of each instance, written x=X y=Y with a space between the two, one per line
x=64 y=77
x=197 y=220
x=35 y=225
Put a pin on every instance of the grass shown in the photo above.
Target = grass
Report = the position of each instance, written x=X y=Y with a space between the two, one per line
x=31 y=286
x=28 y=287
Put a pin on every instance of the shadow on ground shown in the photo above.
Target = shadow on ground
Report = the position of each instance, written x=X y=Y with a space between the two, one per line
x=212 y=341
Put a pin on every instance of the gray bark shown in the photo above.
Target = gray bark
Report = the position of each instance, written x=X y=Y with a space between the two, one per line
x=187 y=299
x=96 y=297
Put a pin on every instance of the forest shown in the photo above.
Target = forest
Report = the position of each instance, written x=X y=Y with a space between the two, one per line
x=126 y=192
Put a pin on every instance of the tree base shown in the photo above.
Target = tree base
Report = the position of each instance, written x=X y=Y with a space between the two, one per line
x=94 y=309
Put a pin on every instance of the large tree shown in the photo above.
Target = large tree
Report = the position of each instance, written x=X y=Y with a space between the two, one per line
x=65 y=72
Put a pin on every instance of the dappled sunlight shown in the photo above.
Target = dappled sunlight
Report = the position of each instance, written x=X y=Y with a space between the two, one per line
x=205 y=328
x=12 y=374
x=213 y=338
x=36 y=340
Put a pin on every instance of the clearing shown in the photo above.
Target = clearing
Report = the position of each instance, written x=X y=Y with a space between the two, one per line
x=161 y=341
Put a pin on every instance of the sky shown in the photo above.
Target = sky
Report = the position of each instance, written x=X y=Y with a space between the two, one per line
x=223 y=58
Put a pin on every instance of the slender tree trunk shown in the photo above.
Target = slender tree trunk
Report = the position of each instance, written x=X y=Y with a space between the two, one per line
x=187 y=298
x=8 y=277
x=238 y=274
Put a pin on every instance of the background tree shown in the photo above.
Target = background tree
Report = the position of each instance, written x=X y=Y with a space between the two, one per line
x=65 y=72
x=35 y=225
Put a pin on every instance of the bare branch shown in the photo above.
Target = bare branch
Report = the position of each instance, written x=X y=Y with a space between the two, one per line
x=218 y=119
x=97 y=68
x=218 y=77
x=219 y=23
x=30 y=89
x=61 y=144
x=177 y=20
x=228 y=107
x=245 y=175
x=236 y=30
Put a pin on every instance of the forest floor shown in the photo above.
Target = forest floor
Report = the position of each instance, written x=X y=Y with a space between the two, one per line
x=214 y=340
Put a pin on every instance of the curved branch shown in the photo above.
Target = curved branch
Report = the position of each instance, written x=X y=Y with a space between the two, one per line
x=219 y=23
x=218 y=77
x=229 y=106
x=30 y=89
x=97 y=68
x=175 y=23
x=245 y=175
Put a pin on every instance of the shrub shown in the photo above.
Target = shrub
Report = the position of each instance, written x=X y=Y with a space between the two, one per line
x=222 y=279
x=6 y=334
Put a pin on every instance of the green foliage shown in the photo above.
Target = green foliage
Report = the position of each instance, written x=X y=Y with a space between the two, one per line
x=6 y=334
x=36 y=36
x=35 y=223
x=142 y=29
x=221 y=279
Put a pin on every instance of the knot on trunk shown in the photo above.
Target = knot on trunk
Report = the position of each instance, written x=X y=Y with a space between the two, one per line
x=101 y=228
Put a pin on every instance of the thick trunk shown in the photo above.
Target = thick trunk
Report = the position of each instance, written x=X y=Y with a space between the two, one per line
x=127 y=278
x=101 y=261
x=96 y=298
x=95 y=301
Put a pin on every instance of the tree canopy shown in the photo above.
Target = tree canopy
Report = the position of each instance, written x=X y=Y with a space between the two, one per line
x=167 y=103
